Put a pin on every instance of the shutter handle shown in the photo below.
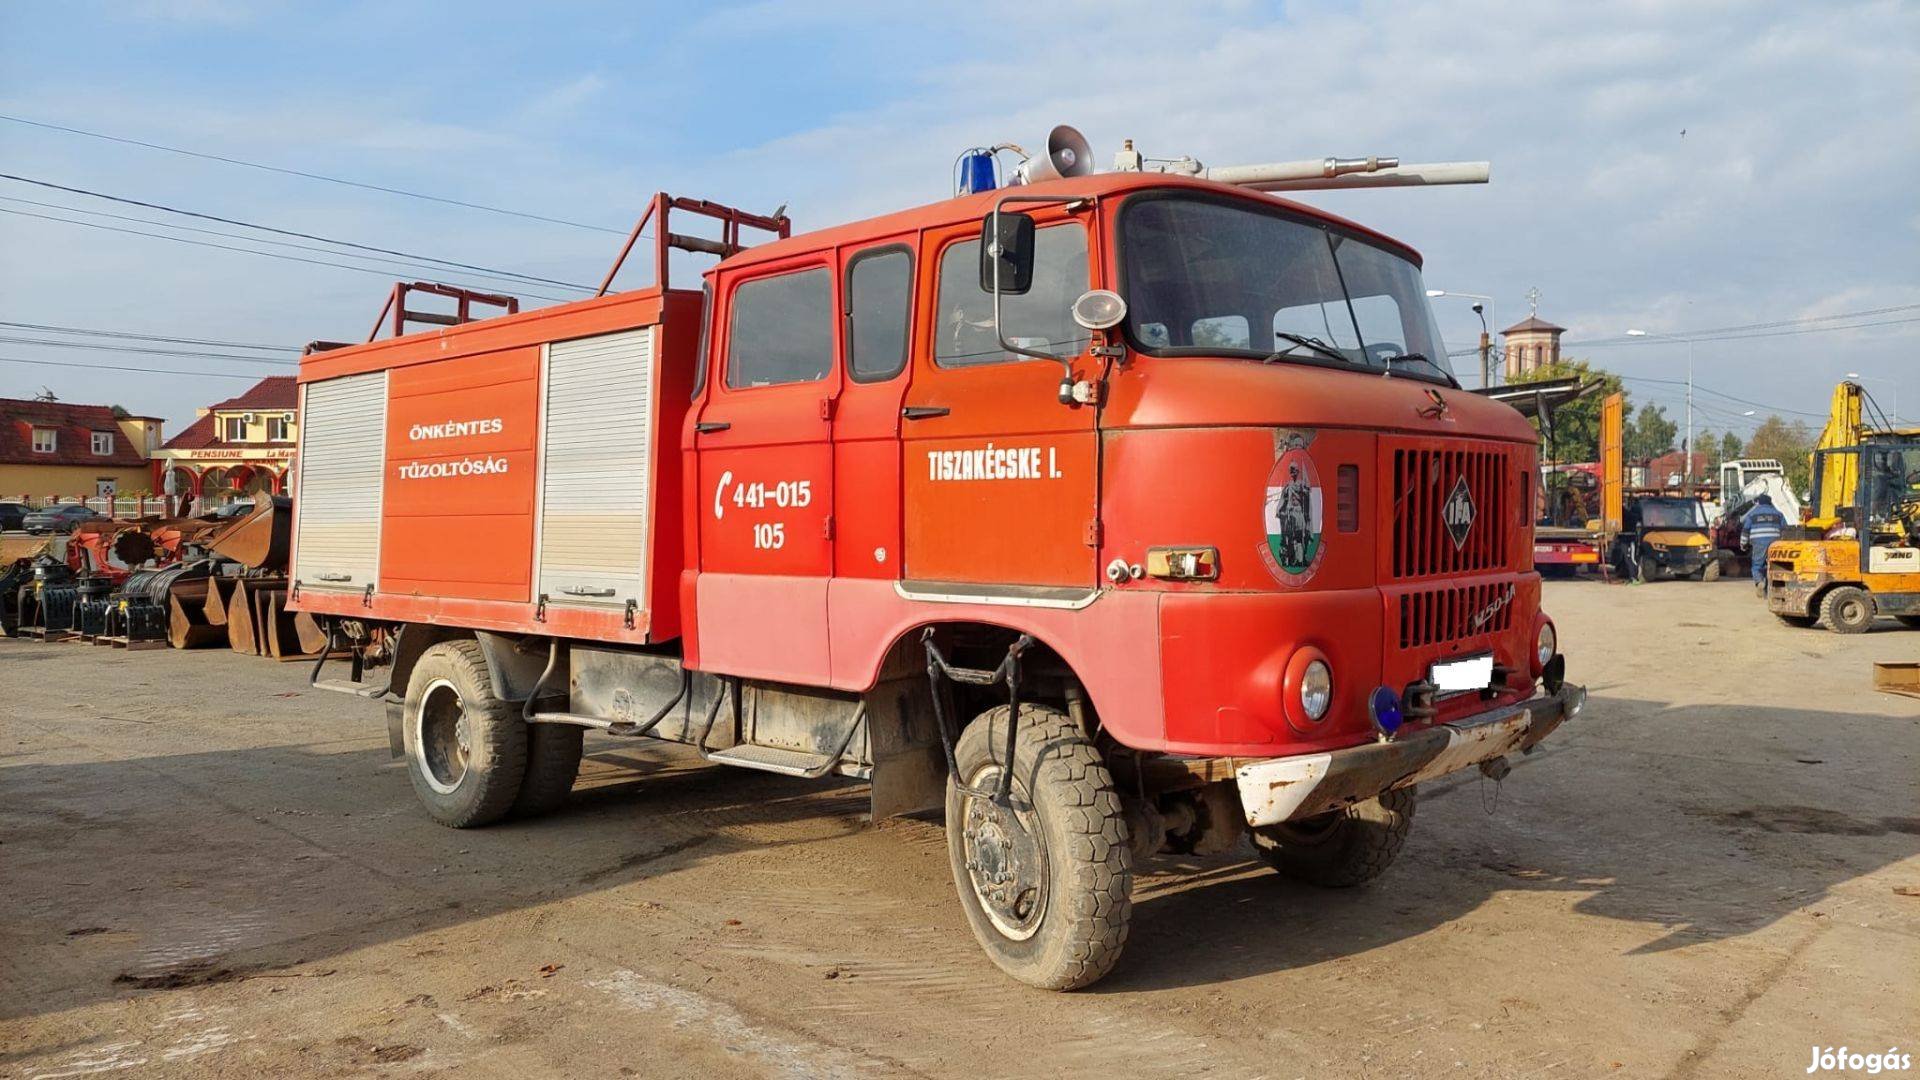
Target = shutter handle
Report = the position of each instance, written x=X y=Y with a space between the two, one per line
x=587 y=590
x=331 y=576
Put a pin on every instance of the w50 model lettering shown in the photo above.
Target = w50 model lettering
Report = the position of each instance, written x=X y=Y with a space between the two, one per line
x=993 y=463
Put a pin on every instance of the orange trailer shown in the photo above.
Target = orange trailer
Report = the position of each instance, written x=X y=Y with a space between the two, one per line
x=1169 y=469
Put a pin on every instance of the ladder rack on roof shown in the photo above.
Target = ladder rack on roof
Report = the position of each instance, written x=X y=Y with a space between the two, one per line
x=664 y=238
x=463 y=312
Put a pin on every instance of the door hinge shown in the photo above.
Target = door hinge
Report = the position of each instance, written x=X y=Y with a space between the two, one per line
x=826 y=408
x=829 y=527
x=1092 y=533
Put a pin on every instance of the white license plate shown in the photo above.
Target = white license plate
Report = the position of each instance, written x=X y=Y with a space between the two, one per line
x=1466 y=673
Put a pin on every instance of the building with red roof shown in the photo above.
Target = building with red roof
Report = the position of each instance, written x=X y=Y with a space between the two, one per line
x=52 y=449
x=234 y=448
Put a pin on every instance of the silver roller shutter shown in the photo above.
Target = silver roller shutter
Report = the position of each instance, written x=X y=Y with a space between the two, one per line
x=596 y=470
x=342 y=467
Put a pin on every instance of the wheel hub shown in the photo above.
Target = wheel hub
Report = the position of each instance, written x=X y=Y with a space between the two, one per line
x=443 y=737
x=1005 y=857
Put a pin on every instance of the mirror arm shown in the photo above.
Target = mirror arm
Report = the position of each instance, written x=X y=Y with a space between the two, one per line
x=1066 y=362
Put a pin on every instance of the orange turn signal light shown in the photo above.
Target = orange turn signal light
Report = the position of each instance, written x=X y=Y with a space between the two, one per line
x=1183 y=563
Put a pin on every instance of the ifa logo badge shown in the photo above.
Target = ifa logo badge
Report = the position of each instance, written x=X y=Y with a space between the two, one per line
x=1458 y=513
x=1293 y=515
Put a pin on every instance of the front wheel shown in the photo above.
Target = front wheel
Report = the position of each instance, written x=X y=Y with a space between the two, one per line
x=1341 y=848
x=1711 y=571
x=1847 y=610
x=1045 y=878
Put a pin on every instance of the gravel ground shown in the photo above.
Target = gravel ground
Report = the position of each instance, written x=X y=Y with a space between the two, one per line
x=207 y=869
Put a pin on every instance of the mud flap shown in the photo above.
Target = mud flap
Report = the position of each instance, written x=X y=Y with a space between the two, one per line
x=396 y=720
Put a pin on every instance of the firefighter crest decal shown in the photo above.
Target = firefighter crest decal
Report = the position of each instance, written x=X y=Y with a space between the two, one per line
x=1293 y=514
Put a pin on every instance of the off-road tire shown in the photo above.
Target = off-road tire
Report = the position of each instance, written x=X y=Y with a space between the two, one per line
x=1059 y=773
x=553 y=763
x=497 y=753
x=1847 y=610
x=1711 y=571
x=1343 y=848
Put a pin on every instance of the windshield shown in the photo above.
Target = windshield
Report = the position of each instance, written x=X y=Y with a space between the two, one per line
x=1207 y=276
x=1672 y=514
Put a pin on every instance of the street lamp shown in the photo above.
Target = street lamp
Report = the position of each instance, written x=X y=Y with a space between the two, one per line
x=1686 y=466
x=1486 y=341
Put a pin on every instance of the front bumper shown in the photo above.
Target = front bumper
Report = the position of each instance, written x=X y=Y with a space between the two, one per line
x=1289 y=788
x=1679 y=560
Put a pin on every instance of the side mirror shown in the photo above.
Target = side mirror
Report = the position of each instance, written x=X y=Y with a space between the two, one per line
x=1099 y=310
x=1007 y=249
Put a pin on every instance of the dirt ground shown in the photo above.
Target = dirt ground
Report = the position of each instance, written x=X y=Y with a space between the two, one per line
x=208 y=869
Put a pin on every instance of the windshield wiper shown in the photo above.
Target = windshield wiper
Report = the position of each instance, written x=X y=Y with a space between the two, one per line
x=1307 y=341
x=1419 y=358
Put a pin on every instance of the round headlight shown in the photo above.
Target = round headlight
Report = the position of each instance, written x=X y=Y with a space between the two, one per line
x=1316 y=690
x=1545 y=647
x=1099 y=309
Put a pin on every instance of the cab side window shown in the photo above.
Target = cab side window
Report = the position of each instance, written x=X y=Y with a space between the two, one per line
x=1041 y=318
x=781 y=330
x=879 y=301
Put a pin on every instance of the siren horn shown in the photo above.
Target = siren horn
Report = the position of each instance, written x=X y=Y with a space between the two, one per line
x=1068 y=154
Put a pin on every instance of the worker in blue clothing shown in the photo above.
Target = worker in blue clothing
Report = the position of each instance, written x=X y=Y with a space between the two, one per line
x=1760 y=527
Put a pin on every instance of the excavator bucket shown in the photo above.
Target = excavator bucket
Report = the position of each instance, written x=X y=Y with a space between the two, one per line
x=260 y=540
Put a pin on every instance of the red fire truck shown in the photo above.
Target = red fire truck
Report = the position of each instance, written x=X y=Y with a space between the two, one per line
x=1112 y=513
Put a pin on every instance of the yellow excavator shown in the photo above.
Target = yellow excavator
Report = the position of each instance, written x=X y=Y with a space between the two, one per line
x=1857 y=556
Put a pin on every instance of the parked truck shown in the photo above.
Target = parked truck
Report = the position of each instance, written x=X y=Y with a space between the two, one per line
x=1109 y=513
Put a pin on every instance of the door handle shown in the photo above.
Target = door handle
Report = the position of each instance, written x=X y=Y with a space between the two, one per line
x=706 y=427
x=924 y=412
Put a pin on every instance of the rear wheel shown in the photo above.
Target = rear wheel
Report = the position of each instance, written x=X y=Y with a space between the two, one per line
x=553 y=763
x=1045 y=878
x=1342 y=848
x=1847 y=610
x=466 y=749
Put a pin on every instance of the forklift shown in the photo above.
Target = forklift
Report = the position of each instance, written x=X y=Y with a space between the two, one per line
x=1862 y=558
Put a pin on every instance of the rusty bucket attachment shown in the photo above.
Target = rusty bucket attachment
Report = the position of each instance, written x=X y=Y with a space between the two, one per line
x=259 y=541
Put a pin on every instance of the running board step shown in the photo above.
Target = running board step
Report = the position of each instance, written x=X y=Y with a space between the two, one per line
x=774 y=759
x=348 y=686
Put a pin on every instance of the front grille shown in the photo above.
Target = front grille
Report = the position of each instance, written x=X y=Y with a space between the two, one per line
x=1440 y=616
x=1423 y=480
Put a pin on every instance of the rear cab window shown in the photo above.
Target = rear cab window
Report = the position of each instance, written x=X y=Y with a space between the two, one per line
x=781 y=329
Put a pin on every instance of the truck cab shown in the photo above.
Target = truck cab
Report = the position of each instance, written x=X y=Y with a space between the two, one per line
x=1113 y=514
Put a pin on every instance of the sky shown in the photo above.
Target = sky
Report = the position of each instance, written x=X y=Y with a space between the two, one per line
x=1676 y=168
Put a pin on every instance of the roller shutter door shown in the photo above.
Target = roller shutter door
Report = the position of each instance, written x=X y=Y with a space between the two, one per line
x=342 y=466
x=596 y=470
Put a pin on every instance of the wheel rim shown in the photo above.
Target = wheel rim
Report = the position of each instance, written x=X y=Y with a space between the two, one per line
x=443 y=737
x=1006 y=857
x=1851 y=611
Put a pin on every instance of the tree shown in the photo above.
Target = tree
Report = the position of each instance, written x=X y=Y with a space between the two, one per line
x=1576 y=425
x=1731 y=447
x=120 y=413
x=1650 y=434
x=1788 y=442
x=1709 y=450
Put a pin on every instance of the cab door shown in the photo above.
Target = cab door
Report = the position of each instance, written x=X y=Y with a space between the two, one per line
x=1000 y=478
x=763 y=440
